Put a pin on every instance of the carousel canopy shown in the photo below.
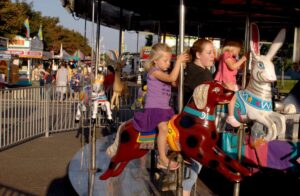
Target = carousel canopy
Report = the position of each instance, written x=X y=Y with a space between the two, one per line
x=205 y=18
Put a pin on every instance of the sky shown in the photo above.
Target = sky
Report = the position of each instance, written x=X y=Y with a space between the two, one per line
x=109 y=36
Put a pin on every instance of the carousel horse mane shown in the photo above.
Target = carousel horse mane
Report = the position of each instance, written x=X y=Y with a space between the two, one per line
x=112 y=149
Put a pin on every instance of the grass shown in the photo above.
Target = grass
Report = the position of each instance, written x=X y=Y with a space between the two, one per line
x=285 y=86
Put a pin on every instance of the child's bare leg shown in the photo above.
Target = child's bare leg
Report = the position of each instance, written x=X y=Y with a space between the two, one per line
x=231 y=119
x=186 y=193
x=231 y=106
x=162 y=143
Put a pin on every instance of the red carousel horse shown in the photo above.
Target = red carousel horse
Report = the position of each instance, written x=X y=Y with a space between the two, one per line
x=192 y=133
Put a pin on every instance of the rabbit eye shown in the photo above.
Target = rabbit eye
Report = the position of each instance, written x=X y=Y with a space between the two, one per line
x=261 y=65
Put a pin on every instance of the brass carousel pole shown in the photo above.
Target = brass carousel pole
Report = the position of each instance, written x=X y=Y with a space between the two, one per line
x=179 y=190
x=91 y=175
x=241 y=131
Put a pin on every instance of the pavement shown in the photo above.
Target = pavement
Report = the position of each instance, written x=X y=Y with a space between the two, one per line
x=44 y=166
x=39 y=166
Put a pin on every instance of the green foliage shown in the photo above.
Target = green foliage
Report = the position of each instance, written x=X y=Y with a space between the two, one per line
x=286 y=85
x=13 y=15
x=283 y=58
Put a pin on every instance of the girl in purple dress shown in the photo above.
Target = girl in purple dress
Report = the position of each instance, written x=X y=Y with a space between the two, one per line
x=157 y=109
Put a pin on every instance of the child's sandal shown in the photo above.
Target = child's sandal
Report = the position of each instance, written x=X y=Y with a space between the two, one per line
x=163 y=165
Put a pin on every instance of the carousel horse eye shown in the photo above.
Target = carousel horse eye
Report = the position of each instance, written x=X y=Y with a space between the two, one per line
x=261 y=65
x=216 y=90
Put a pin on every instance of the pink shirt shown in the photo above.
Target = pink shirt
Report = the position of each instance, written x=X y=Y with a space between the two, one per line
x=224 y=74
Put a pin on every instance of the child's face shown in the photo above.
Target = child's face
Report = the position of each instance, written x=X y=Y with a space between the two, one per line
x=163 y=62
x=207 y=56
x=236 y=51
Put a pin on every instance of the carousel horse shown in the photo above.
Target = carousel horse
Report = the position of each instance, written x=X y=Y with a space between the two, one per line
x=97 y=94
x=191 y=133
x=255 y=101
x=120 y=87
x=99 y=98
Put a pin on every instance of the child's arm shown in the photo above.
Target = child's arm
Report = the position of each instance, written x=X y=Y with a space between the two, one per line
x=235 y=65
x=172 y=77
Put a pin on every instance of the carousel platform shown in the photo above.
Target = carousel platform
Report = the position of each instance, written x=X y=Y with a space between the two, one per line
x=133 y=180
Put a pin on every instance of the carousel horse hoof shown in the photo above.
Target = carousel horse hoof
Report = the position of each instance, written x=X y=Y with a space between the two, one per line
x=93 y=121
x=76 y=121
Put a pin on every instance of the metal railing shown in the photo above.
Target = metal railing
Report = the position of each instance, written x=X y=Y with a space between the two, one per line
x=30 y=112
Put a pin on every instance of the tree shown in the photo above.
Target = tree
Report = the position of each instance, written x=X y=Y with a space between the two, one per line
x=13 y=15
x=12 y=18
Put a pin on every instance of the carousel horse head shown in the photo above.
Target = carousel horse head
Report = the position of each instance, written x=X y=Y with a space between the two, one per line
x=215 y=91
x=191 y=133
x=98 y=83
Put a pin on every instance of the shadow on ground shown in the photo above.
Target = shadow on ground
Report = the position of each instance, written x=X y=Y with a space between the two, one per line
x=266 y=182
x=61 y=187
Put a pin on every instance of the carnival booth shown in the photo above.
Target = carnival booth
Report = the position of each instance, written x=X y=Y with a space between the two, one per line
x=4 y=58
x=30 y=52
x=8 y=69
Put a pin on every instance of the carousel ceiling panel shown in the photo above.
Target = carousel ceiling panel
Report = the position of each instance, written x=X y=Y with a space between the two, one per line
x=209 y=18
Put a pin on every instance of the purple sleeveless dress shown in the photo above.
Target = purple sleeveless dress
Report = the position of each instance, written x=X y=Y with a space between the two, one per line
x=157 y=108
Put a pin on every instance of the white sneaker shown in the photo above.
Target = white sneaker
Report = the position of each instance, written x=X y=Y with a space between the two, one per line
x=232 y=121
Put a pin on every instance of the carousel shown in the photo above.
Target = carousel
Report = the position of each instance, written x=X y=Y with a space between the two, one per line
x=268 y=135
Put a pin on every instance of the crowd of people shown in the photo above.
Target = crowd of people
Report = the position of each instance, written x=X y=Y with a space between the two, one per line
x=68 y=80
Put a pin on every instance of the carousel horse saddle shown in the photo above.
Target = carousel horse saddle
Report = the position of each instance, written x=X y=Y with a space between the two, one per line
x=147 y=139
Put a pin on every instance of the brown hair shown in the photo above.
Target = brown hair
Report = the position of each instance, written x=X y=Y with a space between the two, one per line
x=198 y=46
x=155 y=53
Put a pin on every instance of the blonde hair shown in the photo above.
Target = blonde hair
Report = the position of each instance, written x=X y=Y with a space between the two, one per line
x=156 y=54
x=198 y=46
x=229 y=45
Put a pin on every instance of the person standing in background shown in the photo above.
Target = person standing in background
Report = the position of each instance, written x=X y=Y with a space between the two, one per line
x=62 y=81
x=37 y=75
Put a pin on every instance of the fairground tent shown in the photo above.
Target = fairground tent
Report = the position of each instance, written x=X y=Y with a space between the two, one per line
x=77 y=56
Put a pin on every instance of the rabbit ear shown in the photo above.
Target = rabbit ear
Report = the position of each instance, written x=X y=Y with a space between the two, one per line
x=122 y=55
x=277 y=43
x=114 y=55
x=254 y=41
